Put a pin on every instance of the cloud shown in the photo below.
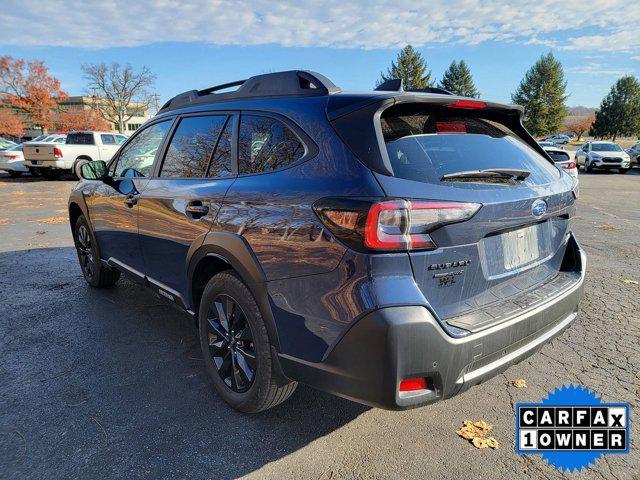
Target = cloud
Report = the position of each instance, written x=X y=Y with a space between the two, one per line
x=598 y=69
x=590 y=25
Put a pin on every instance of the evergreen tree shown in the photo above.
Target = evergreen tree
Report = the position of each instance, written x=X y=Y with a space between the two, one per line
x=542 y=94
x=619 y=112
x=411 y=67
x=457 y=79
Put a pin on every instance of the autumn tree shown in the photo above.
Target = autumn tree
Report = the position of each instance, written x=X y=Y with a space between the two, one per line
x=579 y=125
x=542 y=93
x=30 y=90
x=80 y=120
x=11 y=124
x=411 y=67
x=619 y=112
x=458 y=79
x=120 y=92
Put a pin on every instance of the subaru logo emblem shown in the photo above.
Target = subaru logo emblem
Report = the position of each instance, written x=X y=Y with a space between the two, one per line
x=539 y=208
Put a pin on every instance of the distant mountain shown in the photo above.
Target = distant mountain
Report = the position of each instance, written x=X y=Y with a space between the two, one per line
x=580 y=111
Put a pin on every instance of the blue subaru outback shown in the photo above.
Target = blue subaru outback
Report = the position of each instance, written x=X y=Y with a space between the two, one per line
x=392 y=247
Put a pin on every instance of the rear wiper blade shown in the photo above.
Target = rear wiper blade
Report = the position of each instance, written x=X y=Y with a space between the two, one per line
x=489 y=173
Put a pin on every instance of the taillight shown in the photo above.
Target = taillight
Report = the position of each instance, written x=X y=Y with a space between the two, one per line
x=390 y=225
x=11 y=157
x=57 y=152
x=467 y=104
x=569 y=166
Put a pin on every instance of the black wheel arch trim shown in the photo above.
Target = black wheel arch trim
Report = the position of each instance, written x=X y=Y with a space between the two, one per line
x=235 y=251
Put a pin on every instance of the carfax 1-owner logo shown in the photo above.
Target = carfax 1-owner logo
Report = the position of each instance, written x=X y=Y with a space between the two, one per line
x=572 y=428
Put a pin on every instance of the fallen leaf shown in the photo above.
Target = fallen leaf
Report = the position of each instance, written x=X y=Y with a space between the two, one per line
x=476 y=432
x=41 y=232
x=51 y=220
x=631 y=282
x=520 y=383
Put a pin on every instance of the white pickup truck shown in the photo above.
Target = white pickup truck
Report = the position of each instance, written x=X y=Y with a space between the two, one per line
x=52 y=160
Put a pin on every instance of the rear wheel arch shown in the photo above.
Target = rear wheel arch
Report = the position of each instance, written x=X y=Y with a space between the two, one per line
x=226 y=251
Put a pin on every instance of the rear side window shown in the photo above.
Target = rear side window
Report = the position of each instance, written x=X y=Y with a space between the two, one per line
x=265 y=144
x=80 y=139
x=425 y=144
x=107 y=139
x=192 y=147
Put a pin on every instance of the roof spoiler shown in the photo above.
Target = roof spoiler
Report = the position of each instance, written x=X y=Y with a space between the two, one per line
x=293 y=83
x=397 y=85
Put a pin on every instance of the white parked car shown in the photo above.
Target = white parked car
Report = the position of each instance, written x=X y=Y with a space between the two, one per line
x=603 y=155
x=12 y=161
x=559 y=139
x=561 y=158
x=53 y=160
x=634 y=155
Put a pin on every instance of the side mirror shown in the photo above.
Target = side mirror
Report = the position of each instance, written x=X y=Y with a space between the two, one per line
x=96 y=170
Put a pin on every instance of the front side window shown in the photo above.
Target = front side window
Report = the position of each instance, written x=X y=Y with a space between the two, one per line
x=136 y=158
x=266 y=144
x=192 y=147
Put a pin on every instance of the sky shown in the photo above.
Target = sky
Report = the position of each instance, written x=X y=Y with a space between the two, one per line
x=198 y=43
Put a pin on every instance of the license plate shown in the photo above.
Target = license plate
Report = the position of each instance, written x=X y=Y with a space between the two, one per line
x=35 y=162
x=520 y=247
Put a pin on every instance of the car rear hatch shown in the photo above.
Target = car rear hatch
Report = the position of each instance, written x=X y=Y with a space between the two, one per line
x=509 y=255
x=39 y=151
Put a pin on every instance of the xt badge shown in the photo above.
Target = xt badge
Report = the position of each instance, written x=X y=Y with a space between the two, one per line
x=446 y=279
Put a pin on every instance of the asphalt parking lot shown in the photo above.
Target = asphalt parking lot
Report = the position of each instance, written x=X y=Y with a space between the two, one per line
x=110 y=383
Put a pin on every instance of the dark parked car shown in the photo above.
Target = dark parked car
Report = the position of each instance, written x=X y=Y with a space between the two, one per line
x=391 y=247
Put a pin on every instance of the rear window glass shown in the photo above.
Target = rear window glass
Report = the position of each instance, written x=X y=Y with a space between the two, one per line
x=559 y=156
x=425 y=145
x=80 y=139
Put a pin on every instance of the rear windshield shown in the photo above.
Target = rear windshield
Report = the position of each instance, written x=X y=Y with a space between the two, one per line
x=559 y=156
x=424 y=145
x=80 y=139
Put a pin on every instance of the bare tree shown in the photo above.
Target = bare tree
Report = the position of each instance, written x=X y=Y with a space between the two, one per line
x=121 y=92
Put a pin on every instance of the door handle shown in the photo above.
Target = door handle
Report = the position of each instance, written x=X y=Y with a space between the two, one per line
x=130 y=201
x=196 y=209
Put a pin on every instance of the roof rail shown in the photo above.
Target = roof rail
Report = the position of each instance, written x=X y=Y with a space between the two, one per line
x=396 y=85
x=292 y=83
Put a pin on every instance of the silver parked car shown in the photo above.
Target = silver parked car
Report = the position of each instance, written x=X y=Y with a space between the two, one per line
x=634 y=155
x=603 y=155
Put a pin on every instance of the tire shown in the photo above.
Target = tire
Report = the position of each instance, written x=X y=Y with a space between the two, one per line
x=587 y=167
x=623 y=171
x=237 y=353
x=95 y=273
x=34 y=172
x=75 y=170
x=14 y=174
x=51 y=173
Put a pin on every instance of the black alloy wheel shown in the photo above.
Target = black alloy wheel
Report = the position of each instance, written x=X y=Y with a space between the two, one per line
x=231 y=343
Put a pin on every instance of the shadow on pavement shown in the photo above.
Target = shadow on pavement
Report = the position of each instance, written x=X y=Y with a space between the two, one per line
x=110 y=383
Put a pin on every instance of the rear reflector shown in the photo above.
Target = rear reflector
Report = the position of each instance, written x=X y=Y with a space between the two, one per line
x=467 y=104
x=413 y=384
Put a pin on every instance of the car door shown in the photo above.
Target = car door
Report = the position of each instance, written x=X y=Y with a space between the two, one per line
x=183 y=197
x=580 y=155
x=113 y=205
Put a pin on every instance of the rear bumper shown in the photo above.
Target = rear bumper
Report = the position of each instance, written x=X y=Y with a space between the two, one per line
x=396 y=343
x=16 y=166
x=45 y=164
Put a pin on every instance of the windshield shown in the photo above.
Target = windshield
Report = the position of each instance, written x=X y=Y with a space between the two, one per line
x=605 y=147
x=424 y=147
